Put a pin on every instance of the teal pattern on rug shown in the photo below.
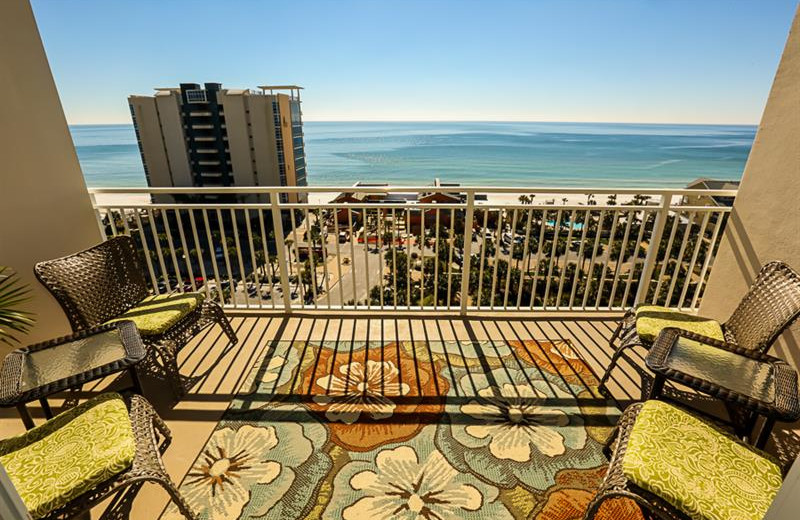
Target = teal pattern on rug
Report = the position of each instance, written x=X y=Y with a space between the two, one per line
x=355 y=430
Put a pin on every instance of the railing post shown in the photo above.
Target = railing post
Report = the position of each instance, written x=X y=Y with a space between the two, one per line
x=652 y=250
x=100 y=226
x=280 y=247
x=465 y=264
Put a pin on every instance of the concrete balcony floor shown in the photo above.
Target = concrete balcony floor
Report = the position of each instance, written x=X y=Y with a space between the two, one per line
x=217 y=371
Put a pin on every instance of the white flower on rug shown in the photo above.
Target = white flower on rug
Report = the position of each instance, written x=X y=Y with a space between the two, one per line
x=218 y=485
x=515 y=420
x=270 y=375
x=404 y=488
x=361 y=388
x=273 y=369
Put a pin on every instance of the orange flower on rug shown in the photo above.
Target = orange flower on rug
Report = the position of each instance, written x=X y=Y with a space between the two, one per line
x=556 y=358
x=574 y=489
x=373 y=397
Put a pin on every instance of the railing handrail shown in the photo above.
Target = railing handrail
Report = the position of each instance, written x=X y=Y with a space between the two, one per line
x=408 y=206
x=378 y=190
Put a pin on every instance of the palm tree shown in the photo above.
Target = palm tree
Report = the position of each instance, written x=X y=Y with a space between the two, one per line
x=288 y=242
x=12 y=294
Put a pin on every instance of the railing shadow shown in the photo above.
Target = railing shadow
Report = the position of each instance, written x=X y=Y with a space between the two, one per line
x=467 y=354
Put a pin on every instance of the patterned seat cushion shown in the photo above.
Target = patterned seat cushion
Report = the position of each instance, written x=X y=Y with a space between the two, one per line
x=156 y=314
x=70 y=454
x=699 y=469
x=651 y=320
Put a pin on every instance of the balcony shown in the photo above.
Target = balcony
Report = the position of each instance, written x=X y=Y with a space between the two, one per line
x=218 y=373
x=431 y=350
x=377 y=273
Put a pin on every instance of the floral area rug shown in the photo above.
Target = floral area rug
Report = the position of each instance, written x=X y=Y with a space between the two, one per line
x=408 y=430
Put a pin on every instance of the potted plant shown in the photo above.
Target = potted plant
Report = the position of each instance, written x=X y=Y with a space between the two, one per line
x=13 y=320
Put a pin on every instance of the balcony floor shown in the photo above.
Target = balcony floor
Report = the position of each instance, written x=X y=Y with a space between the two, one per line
x=217 y=371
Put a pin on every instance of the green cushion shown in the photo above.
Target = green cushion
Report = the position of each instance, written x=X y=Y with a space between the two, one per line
x=699 y=469
x=70 y=454
x=651 y=320
x=156 y=314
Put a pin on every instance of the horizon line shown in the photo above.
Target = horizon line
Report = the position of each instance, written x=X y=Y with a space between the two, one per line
x=472 y=121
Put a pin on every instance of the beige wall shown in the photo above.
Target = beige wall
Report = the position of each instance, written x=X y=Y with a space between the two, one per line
x=288 y=144
x=765 y=222
x=263 y=131
x=169 y=115
x=236 y=119
x=152 y=143
x=45 y=211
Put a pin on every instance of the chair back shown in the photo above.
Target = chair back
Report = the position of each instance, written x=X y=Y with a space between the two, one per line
x=97 y=284
x=771 y=304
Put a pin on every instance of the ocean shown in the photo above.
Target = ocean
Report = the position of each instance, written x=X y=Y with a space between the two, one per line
x=479 y=153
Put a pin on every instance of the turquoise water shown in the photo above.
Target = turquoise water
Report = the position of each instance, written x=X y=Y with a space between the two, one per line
x=498 y=154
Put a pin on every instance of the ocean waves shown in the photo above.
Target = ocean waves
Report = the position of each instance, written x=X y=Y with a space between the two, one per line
x=474 y=153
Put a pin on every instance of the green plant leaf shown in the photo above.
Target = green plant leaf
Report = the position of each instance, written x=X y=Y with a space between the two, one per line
x=13 y=320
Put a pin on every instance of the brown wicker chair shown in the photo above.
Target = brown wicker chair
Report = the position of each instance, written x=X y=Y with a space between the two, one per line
x=771 y=304
x=616 y=485
x=107 y=280
x=151 y=438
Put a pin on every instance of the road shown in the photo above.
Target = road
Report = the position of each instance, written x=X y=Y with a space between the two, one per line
x=359 y=269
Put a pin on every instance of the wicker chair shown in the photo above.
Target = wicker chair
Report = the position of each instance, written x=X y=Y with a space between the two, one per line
x=151 y=437
x=771 y=304
x=671 y=473
x=106 y=281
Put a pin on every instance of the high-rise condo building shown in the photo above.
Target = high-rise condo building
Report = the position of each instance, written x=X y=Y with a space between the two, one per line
x=207 y=136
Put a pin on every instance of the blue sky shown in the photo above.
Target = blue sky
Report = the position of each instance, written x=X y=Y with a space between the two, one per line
x=627 y=61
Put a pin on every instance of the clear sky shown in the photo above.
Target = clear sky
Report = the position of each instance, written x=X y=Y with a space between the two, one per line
x=628 y=61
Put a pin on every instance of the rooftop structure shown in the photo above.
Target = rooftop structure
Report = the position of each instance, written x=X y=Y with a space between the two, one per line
x=712 y=184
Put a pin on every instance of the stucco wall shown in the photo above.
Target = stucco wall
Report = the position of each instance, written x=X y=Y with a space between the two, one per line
x=171 y=132
x=45 y=211
x=151 y=142
x=765 y=222
x=236 y=120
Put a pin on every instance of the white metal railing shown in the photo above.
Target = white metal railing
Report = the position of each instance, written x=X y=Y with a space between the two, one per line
x=522 y=249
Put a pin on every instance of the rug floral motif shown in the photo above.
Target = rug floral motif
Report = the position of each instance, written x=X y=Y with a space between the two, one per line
x=408 y=430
